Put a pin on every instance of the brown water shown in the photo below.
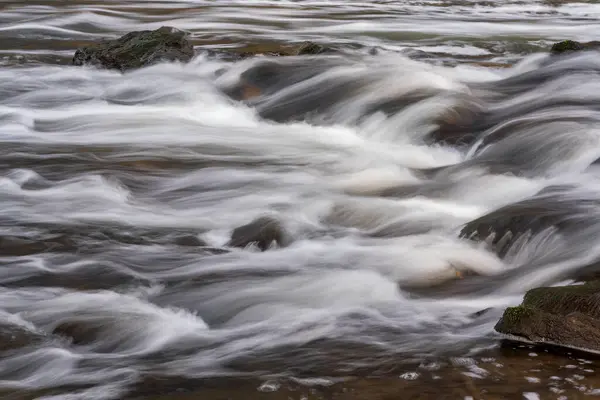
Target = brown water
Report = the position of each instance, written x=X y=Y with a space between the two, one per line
x=118 y=194
x=513 y=371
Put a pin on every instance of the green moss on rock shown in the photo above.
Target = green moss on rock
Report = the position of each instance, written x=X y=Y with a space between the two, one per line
x=310 y=48
x=137 y=49
x=562 y=300
x=564 y=315
x=513 y=319
x=515 y=314
x=567 y=46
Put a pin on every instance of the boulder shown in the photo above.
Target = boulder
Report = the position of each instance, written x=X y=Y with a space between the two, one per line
x=137 y=49
x=566 y=316
x=568 y=46
x=262 y=231
x=515 y=223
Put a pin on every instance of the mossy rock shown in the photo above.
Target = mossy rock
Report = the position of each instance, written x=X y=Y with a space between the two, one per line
x=137 y=49
x=563 y=300
x=567 y=316
x=568 y=46
x=565 y=46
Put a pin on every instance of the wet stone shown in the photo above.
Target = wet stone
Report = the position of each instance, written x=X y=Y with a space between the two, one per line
x=513 y=225
x=137 y=49
x=262 y=231
x=272 y=50
x=80 y=332
x=311 y=48
x=569 y=46
x=14 y=337
x=189 y=240
x=564 y=316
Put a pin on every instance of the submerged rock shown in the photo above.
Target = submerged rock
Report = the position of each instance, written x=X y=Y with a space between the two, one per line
x=311 y=48
x=460 y=124
x=13 y=337
x=22 y=246
x=137 y=49
x=281 y=50
x=189 y=241
x=513 y=225
x=568 y=46
x=508 y=226
x=80 y=332
x=268 y=76
x=262 y=231
x=567 y=316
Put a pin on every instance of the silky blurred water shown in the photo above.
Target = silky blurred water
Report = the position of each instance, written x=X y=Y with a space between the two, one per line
x=107 y=178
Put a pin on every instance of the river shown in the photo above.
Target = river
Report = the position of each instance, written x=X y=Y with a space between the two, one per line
x=119 y=192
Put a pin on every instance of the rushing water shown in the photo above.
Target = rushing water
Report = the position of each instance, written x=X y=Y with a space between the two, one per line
x=105 y=180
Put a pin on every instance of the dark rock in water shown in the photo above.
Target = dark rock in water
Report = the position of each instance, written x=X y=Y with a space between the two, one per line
x=568 y=46
x=22 y=246
x=261 y=49
x=266 y=77
x=92 y=238
x=566 y=316
x=189 y=240
x=262 y=231
x=14 y=337
x=310 y=48
x=460 y=124
x=503 y=228
x=306 y=48
x=137 y=49
x=268 y=49
x=80 y=332
x=513 y=224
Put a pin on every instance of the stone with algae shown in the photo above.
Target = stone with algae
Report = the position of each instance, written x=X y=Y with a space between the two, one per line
x=567 y=316
x=137 y=49
x=568 y=46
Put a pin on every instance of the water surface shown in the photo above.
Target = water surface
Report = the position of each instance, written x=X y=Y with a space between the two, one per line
x=118 y=194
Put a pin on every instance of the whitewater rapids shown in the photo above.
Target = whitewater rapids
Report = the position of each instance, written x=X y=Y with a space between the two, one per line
x=334 y=151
